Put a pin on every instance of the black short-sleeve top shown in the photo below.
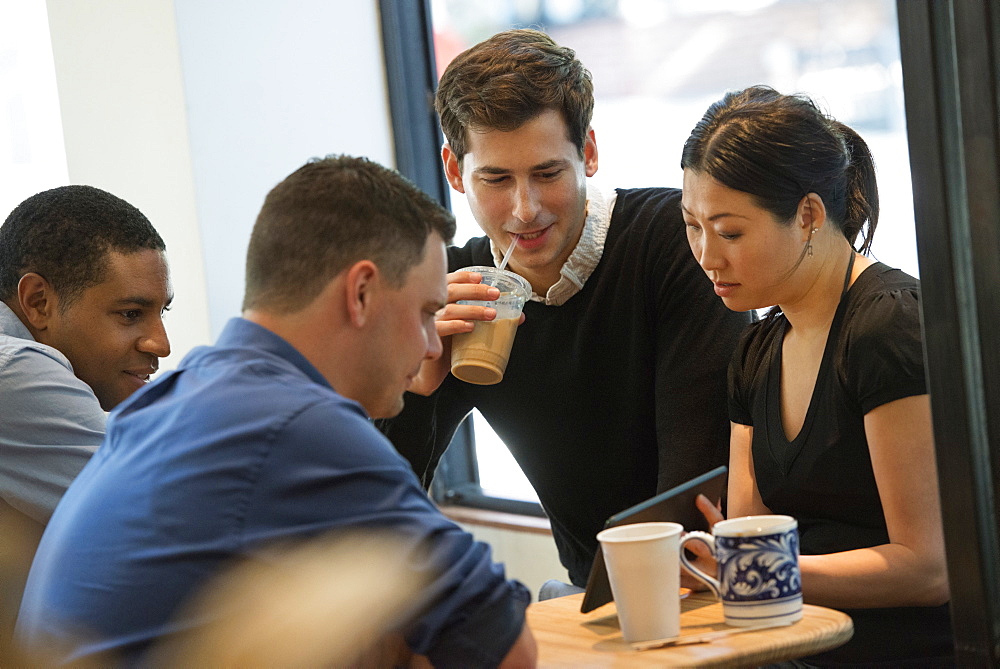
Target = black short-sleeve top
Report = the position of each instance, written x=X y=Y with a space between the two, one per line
x=824 y=475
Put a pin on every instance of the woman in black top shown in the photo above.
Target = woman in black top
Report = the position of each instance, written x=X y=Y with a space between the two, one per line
x=827 y=398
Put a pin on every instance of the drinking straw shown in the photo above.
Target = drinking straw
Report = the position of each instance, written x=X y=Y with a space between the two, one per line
x=510 y=252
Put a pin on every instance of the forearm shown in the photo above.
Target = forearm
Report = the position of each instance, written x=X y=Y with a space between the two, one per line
x=524 y=652
x=910 y=570
x=882 y=576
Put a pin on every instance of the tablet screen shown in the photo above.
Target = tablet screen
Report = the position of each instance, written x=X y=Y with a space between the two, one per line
x=675 y=505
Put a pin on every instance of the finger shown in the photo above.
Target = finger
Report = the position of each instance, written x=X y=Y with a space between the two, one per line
x=461 y=276
x=708 y=509
x=466 y=312
x=692 y=583
x=699 y=549
x=472 y=291
x=705 y=566
x=448 y=328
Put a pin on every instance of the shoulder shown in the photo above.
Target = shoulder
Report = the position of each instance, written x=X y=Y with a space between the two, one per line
x=29 y=369
x=237 y=389
x=647 y=205
x=647 y=222
x=18 y=352
x=329 y=415
x=881 y=344
x=749 y=365
x=884 y=305
x=50 y=424
x=476 y=251
x=755 y=341
x=333 y=428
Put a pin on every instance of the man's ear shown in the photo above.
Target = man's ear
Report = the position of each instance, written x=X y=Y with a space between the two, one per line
x=361 y=283
x=590 y=153
x=37 y=300
x=452 y=170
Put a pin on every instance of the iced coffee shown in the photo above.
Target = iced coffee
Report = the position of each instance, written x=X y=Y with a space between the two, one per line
x=481 y=356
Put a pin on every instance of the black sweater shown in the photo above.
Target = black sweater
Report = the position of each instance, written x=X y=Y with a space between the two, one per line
x=609 y=398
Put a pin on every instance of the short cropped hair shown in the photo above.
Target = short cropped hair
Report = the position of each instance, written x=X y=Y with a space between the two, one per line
x=509 y=79
x=328 y=215
x=65 y=235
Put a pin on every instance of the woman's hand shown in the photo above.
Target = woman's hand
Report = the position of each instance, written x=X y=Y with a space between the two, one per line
x=704 y=560
x=712 y=512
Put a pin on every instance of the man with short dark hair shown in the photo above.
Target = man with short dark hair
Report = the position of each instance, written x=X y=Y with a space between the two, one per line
x=616 y=384
x=266 y=437
x=83 y=287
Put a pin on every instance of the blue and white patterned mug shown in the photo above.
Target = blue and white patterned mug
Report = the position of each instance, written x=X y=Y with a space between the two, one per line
x=758 y=578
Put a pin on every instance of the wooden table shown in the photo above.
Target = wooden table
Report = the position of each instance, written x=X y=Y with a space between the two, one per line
x=568 y=638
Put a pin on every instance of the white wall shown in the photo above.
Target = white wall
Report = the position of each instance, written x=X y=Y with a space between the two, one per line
x=193 y=110
x=125 y=129
x=270 y=84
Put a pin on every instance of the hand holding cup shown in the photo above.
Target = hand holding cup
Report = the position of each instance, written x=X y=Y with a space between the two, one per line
x=480 y=356
x=466 y=295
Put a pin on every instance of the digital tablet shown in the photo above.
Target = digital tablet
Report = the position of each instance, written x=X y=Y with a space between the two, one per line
x=675 y=505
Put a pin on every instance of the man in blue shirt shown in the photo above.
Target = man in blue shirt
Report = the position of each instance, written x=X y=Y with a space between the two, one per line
x=266 y=436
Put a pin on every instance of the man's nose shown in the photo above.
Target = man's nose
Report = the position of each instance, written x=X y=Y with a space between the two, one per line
x=526 y=204
x=155 y=341
x=434 y=346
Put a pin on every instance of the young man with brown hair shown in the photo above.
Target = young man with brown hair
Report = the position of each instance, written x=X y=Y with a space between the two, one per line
x=613 y=391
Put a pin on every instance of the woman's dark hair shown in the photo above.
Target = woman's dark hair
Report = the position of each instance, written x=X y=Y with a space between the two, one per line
x=778 y=148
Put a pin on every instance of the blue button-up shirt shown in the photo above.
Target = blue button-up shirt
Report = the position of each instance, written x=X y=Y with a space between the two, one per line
x=243 y=444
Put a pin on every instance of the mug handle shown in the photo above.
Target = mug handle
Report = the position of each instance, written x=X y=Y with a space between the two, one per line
x=708 y=540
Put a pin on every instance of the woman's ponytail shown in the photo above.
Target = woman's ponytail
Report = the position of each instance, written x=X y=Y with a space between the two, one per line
x=861 y=214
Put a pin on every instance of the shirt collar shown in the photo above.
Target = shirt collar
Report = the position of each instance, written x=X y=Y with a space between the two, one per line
x=239 y=332
x=588 y=251
x=11 y=325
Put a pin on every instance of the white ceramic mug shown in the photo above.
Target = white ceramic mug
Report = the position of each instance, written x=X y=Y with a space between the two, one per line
x=758 y=578
x=643 y=567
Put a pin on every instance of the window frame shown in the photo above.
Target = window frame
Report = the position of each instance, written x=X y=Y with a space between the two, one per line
x=951 y=81
x=456 y=480
x=411 y=79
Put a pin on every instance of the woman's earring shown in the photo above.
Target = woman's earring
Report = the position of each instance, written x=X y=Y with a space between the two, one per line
x=809 y=248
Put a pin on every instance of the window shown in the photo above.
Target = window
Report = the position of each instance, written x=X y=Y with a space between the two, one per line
x=657 y=65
